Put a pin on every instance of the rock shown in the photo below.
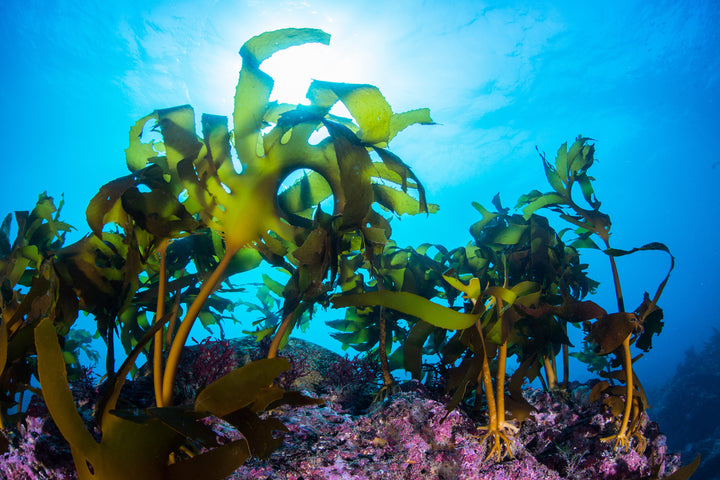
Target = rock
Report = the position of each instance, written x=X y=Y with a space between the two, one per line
x=205 y=362
x=412 y=436
x=409 y=434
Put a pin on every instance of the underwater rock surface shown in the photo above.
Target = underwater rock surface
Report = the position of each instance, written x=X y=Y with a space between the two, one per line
x=412 y=436
x=408 y=435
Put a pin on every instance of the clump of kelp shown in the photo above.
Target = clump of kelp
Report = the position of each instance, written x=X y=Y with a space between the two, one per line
x=522 y=284
x=167 y=238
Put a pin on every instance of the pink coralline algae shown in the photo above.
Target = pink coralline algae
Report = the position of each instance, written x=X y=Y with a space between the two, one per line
x=408 y=434
x=36 y=451
x=413 y=437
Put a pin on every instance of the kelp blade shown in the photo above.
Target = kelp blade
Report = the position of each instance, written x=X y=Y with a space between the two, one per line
x=410 y=304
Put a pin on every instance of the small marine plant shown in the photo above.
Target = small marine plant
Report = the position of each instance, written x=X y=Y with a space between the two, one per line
x=30 y=287
x=210 y=360
x=615 y=332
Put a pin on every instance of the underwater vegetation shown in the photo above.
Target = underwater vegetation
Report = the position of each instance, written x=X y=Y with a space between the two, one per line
x=307 y=192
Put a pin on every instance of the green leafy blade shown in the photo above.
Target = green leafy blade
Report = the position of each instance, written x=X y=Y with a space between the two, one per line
x=239 y=388
x=410 y=304
x=543 y=201
x=56 y=392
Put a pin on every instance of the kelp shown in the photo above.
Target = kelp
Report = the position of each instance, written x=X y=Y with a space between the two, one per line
x=167 y=238
x=185 y=207
x=31 y=289
x=244 y=208
x=144 y=444
x=506 y=279
x=614 y=332
x=522 y=283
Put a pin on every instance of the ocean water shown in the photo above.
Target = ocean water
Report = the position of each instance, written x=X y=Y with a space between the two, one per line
x=502 y=79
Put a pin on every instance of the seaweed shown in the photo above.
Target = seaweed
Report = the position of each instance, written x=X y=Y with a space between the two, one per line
x=522 y=284
x=511 y=284
x=166 y=239
x=614 y=332
x=185 y=207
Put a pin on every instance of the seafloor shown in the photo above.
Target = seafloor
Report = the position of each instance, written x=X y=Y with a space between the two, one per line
x=408 y=434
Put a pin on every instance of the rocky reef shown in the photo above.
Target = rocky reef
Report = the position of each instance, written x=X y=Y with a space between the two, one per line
x=408 y=433
x=412 y=436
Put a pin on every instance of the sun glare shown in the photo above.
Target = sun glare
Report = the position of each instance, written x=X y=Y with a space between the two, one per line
x=294 y=69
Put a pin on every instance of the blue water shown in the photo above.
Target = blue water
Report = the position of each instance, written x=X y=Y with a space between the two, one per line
x=639 y=77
